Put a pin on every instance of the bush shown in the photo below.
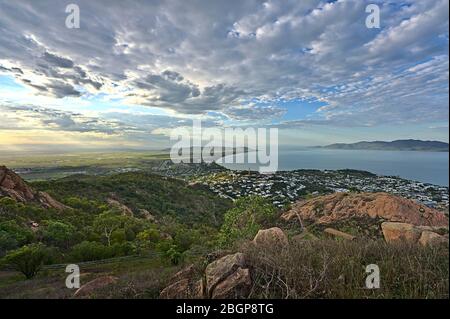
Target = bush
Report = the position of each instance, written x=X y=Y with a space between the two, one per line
x=336 y=269
x=27 y=259
x=59 y=234
x=245 y=219
x=89 y=251
x=20 y=234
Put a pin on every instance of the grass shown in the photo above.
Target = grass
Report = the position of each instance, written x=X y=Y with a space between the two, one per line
x=336 y=269
x=142 y=278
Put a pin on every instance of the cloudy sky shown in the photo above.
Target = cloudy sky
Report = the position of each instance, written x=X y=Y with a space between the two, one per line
x=134 y=70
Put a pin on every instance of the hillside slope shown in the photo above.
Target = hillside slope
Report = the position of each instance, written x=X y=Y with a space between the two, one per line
x=13 y=186
x=159 y=195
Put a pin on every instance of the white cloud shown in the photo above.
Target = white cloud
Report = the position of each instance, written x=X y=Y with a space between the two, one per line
x=196 y=56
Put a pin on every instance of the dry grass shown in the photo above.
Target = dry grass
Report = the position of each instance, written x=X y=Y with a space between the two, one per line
x=336 y=269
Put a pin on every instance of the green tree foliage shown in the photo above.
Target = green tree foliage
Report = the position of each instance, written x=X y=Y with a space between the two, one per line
x=89 y=251
x=13 y=236
x=245 y=219
x=27 y=259
x=108 y=222
x=59 y=234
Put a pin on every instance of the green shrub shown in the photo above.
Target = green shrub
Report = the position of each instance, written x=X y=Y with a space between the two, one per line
x=88 y=251
x=20 y=234
x=59 y=234
x=27 y=259
x=245 y=219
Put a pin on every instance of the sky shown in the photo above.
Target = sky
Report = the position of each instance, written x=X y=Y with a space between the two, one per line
x=135 y=70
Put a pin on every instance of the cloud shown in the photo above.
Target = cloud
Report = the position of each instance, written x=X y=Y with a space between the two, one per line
x=195 y=57
x=27 y=117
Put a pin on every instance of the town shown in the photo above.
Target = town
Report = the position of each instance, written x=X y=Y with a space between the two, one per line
x=286 y=187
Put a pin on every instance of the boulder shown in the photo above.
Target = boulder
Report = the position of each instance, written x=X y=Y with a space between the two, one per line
x=339 y=207
x=394 y=232
x=93 y=285
x=220 y=269
x=183 y=285
x=339 y=234
x=183 y=289
x=431 y=238
x=272 y=237
x=235 y=286
x=185 y=273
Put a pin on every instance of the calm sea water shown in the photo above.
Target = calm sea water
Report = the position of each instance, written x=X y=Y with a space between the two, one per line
x=429 y=167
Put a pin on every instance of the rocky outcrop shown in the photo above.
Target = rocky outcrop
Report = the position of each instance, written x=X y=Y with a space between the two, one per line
x=235 y=286
x=148 y=216
x=184 y=284
x=429 y=238
x=228 y=276
x=341 y=206
x=395 y=232
x=272 y=237
x=125 y=210
x=88 y=289
x=403 y=232
x=13 y=186
x=339 y=234
x=219 y=270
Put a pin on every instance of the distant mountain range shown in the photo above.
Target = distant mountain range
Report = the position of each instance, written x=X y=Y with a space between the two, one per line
x=398 y=145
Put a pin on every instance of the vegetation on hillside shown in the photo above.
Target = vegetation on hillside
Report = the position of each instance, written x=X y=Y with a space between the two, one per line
x=184 y=223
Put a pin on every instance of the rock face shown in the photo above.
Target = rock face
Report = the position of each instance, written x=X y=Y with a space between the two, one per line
x=341 y=206
x=125 y=210
x=339 y=234
x=92 y=286
x=184 y=285
x=221 y=269
x=226 y=277
x=403 y=232
x=272 y=237
x=148 y=216
x=13 y=186
x=394 y=232
x=235 y=286
x=431 y=238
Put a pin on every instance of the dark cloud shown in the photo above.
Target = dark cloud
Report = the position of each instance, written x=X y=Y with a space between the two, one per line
x=58 y=61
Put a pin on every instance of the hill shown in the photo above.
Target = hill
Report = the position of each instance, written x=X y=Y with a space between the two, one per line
x=159 y=195
x=397 y=145
x=13 y=186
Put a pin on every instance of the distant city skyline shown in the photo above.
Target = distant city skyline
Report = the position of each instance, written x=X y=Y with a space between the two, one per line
x=134 y=71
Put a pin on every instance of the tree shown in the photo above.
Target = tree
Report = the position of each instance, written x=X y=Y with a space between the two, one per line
x=108 y=222
x=20 y=234
x=27 y=259
x=59 y=234
x=7 y=242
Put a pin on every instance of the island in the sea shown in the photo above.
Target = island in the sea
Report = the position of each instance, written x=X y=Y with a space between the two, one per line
x=397 y=145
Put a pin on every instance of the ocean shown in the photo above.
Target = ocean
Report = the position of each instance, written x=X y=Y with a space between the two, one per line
x=428 y=167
